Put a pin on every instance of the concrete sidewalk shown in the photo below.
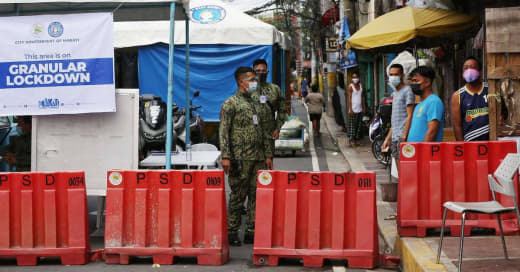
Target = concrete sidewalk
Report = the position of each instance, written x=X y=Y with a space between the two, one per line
x=481 y=253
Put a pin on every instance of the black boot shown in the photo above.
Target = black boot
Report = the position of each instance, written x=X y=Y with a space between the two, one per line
x=249 y=237
x=233 y=239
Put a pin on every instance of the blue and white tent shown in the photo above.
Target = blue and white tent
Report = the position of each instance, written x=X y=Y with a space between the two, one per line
x=221 y=39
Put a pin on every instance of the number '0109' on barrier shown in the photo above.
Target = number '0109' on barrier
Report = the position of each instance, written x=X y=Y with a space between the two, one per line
x=316 y=216
x=44 y=214
x=165 y=214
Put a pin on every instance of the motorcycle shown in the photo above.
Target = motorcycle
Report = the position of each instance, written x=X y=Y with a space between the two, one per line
x=152 y=124
x=379 y=129
x=197 y=133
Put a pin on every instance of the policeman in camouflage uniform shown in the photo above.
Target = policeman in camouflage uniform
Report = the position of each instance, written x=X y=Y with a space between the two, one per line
x=17 y=153
x=272 y=101
x=245 y=150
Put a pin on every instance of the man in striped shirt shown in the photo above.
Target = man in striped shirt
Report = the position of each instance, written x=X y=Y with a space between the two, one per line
x=469 y=105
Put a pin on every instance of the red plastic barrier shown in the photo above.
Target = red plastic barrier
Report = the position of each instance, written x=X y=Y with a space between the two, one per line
x=433 y=173
x=164 y=214
x=316 y=216
x=44 y=215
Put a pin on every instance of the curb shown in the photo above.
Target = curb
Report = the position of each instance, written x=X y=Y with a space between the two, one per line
x=416 y=255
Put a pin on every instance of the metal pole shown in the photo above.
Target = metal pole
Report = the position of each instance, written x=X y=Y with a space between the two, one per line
x=188 y=104
x=169 y=106
x=283 y=80
x=416 y=55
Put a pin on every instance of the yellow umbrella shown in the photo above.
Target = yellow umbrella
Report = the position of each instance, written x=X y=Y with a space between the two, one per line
x=406 y=24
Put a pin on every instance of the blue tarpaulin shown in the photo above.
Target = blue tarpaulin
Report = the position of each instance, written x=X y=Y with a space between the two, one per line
x=346 y=60
x=212 y=70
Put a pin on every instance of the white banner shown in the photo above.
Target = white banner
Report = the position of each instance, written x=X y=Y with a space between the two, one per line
x=57 y=64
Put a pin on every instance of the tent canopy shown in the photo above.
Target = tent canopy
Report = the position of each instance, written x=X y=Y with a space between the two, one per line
x=124 y=10
x=406 y=24
x=221 y=39
x=212 y=22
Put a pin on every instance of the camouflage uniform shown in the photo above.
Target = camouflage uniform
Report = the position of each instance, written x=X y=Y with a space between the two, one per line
x=244 y=143
x=275 y=103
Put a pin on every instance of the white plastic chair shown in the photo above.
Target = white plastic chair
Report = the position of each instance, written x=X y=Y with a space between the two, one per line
x=203 y=147
x=505 y=185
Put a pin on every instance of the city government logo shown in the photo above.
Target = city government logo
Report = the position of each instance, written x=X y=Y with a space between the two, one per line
x=55 y=29
x=208 y=14
x=408 y=151
x=37 y=30
x=265 y=178
x=115 y=178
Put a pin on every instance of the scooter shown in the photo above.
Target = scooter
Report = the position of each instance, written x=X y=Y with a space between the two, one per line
x=197 y=133
x=152 y=125
x=379 y=129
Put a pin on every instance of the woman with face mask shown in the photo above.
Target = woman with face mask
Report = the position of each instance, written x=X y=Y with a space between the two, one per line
x=469 y=105
x=356 y=109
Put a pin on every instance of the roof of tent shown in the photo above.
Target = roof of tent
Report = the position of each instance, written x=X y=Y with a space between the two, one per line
x=212 y=22
x=124 y=10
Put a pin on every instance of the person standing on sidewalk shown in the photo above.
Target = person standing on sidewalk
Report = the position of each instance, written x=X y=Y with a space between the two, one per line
x=356 y=108
x=271 y=100
x=315 y=103
x=428 y=116
x=469 y=105
x=402 y=111
x=244 y=150
x=304 y=87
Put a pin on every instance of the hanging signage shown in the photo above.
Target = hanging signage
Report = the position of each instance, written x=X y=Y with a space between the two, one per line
x=57 y=64
x=332 y=44
x=346 y=59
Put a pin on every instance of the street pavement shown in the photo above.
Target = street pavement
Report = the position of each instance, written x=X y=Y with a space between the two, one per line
x=326 y=157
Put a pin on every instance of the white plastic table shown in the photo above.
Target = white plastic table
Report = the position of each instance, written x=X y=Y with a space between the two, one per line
x=199 y=160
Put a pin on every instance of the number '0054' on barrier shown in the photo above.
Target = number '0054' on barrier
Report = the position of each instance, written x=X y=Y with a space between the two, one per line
x=44 y=215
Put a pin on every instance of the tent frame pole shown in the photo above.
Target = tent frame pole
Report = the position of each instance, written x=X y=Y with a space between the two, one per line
x=169 y=105
x=188 y=102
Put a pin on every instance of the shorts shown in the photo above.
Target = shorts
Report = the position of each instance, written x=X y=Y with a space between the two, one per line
x=315 y=116
x=395 y=148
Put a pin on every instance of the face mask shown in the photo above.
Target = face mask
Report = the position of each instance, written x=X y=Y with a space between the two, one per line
x=355 y=80
x=394 y=80
x=471 y=75
x=252 y=87
x=262 y=77
x=416 y=89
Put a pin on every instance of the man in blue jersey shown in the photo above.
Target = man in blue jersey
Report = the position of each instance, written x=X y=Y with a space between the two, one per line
x=469 y=105
x=428 y=116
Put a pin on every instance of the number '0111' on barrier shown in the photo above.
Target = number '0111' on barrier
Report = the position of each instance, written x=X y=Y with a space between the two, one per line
x=316 y=216
x=433 y=173
x=166 y=214
x=44 y=215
